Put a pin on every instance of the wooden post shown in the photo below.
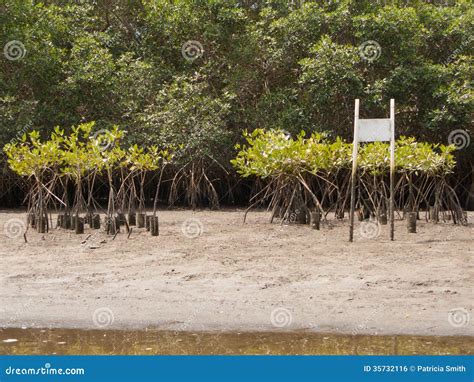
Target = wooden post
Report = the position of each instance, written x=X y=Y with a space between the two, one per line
x=96 y=221
x=79 y=226
x=60 y=220
x=300 y=216
x=354 y=168
x=42 y=223
x=65 y=220
x=132 y=219
x=434 y=216
x=121 y=219
x=411 y=222
x=154 y=227
x=315 y=220
x=392 y=169
x=382 y=216
x=140 y=220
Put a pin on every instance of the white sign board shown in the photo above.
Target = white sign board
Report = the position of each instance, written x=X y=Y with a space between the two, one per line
x=373 y=130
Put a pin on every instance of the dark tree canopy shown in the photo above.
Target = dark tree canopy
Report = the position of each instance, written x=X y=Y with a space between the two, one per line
x=290 y=65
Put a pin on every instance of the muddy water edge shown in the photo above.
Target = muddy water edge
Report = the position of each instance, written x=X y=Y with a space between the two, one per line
x=73 y=341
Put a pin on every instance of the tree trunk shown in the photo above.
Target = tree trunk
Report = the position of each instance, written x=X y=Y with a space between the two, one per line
x=470 y=201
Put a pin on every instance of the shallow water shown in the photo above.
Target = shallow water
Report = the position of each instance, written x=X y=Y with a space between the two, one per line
x=73 y=341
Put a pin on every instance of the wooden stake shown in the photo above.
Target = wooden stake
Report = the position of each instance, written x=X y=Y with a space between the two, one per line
x=354 y=168
x=392 y=169
x=121 y=220
x=315 y=220
x=42 y=223
x=411 y=222
x=300 y=216
x=434 y=216
x=79 y=226
x=132 y=219
x=60 y=221
x=96 y=221
x=154 y=227
x=382 y=216
x=140 y=220
x=85 y=240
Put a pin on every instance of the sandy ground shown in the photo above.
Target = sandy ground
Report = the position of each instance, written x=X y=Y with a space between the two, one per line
x=208 y=271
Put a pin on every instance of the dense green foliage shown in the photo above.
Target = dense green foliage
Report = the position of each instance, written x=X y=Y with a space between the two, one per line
x=272 y=153
x=314 y=172
x=79 y=158
x=272 y=64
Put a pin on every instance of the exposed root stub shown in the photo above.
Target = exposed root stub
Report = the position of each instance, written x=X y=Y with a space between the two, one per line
x=96 y=221
x=154 y=226
x=140 y=220
x=316 y=220
x=79 y=226
x=132 y=219
x=411 y=222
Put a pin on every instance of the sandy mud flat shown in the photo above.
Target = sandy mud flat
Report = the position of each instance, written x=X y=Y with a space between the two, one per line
x=209 y=272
